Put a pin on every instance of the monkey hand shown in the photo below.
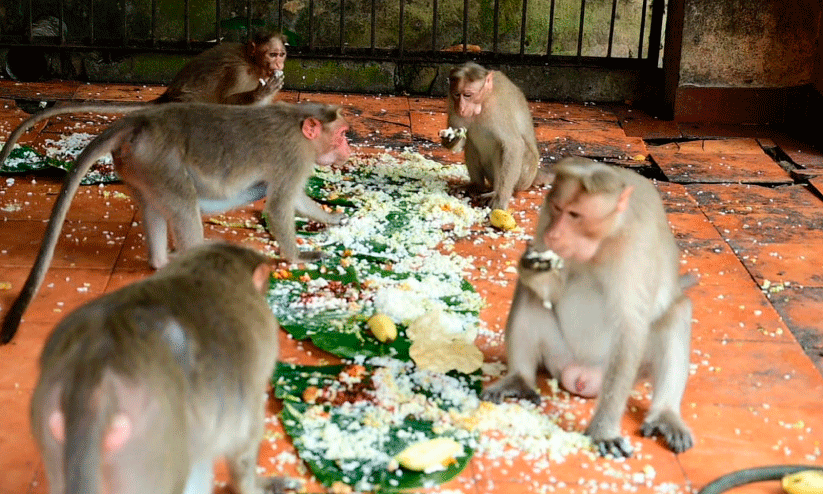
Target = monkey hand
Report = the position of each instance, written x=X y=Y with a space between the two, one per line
x=671 y=427
x=453 y=139
x=607 y=443
x=267 y=89
x=541 y=261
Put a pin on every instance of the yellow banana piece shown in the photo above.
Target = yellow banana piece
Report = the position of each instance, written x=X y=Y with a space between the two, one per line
x=383 y=328
x=430 y=456
x=804 y=482
x=502 y=219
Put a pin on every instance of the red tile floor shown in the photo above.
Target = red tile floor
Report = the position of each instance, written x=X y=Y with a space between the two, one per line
x=745 y=205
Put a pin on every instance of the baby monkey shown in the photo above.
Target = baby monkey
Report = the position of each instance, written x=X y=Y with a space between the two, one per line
x=613 y=307
x=142 y=389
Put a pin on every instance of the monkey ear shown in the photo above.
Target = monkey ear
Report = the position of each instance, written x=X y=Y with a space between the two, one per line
x=260 y=277
x=489 y=85
x=623 y=198
x=312 y=127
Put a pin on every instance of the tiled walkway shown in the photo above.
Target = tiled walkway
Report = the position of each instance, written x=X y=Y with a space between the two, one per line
x=745 y=204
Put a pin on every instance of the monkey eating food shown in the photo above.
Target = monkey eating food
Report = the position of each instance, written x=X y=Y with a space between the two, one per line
x=142 y=389
x=617 y=306
x=229 y=73
x=181 y=159
x=489 y=118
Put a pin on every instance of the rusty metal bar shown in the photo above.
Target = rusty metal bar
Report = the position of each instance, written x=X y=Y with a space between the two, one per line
x=465 y=24
x=218 y=29
x=248 y=18
x=642 y=29
x=551 y=29
x=580 y=29
x=611 y=28
x=373 y=25
x=434 y=25
x=186 y=23
x=125 y=23
x=402 y=34
x=656 y=31
x=496 y=23
x=523 y=16
x=311 y=25
x=342 y=25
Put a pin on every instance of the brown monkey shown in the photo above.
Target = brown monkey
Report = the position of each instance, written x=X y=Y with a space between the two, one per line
x=142 y=389
x=617 y=304
x=500 y=146
x=181 y=159
x=229 y=73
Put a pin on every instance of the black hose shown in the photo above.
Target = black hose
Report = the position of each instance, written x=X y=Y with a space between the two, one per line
x=757 y=474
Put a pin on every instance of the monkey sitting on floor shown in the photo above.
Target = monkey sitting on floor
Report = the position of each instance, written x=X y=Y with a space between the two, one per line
x=142 y=389
x=499 y=141
x=181 y=159
x=615 y=304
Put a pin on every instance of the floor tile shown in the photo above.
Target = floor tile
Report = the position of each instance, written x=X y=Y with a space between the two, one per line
x=20 y=459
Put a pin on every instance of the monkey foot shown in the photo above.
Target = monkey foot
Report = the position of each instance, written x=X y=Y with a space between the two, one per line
x=676 y=434
x=280 y=485
x=511 y=386
x=618 y=447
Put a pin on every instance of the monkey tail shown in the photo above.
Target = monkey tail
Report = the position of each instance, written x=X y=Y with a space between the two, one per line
x=28 y=123
x=89 y=409
x=749 y=475
x=102 y=144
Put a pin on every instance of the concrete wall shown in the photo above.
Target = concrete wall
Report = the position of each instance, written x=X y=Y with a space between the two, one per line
x=744 y=61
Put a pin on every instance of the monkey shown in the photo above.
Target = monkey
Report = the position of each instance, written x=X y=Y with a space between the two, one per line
x=229 y=73
x=499 y=141
x=181 y=159
x=618 y=309
x=143 y=388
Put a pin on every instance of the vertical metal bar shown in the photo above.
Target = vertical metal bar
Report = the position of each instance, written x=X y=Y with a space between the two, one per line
x=373 y=24
x=218 y=30
x=31 y=14
x=551 y=29
x=61 y=21
x=580 y=29
x=496 y=27
x=523 y=27
x=402 y=33
x=125 y=23
x=642 y=29
x=342 y=24
x=248 y=19
x=656 y=31
x=91 y=21
x=611 y=29
x=465 y=24
x=153 y=22
x=186 y=23
x=434 y=25
x=311 y=25
x=280 y=16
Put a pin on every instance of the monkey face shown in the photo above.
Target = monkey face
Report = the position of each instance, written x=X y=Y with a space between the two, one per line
x=331 y=142
x=579 y=221
x=468 y=96
x=271 y=56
